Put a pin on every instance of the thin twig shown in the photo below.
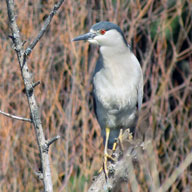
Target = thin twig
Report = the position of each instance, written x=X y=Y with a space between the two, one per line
x=35 y=84
x=44 y=28
x=16 y=117
x=53 y=140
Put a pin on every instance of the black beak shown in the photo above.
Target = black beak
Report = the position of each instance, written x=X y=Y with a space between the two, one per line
x=85 y=36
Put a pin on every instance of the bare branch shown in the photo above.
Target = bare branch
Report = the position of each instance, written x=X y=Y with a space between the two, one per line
x=44 y=28
x=16 y=117
x=29 y=85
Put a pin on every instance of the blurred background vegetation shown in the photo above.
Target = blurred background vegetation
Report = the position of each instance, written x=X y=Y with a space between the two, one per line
x=160 y=34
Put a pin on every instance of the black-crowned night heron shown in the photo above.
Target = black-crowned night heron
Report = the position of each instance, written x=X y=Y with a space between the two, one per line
x=117 y=81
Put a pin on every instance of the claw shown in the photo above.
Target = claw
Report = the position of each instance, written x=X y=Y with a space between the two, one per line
x=105 y=168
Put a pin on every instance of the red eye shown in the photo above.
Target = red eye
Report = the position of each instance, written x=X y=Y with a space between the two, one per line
x=102 y=31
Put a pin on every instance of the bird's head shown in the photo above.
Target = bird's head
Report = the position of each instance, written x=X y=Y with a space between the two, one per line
x=104 y=33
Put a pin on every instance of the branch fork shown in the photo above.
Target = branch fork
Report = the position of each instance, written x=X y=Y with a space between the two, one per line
x=47 y=144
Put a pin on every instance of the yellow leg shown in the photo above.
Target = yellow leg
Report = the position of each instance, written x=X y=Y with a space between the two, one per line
x=106 y=155
x=120 y=138
x=107 y=130
x=114 y=146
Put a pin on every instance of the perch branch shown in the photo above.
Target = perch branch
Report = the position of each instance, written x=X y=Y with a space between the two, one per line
x=121 y=170
x=16 y=117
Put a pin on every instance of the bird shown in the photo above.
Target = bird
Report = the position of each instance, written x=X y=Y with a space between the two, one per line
x=117 y=83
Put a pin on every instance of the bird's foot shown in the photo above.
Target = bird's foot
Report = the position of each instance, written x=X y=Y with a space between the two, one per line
x=105 y=168
x=130 y=135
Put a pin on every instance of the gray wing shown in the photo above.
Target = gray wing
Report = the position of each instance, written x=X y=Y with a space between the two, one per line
x=99 y=65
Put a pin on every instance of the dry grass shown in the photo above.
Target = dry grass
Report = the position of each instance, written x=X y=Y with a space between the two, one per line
x=160 y=33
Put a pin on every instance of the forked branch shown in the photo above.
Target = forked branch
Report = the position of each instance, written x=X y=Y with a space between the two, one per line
x=29 y=87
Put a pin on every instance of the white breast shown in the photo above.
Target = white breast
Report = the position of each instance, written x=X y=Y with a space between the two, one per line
x=116 y=83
